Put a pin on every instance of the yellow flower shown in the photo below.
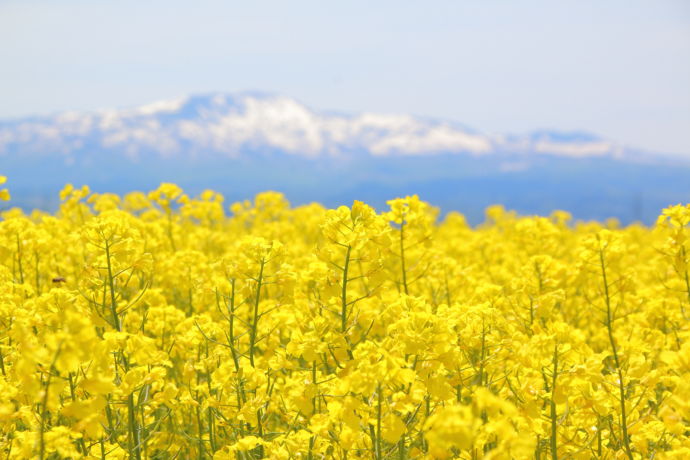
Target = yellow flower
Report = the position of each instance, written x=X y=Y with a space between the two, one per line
x=451 y=427
x=156 y=325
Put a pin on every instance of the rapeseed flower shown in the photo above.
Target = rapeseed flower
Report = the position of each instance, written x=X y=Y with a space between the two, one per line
x=161 y=326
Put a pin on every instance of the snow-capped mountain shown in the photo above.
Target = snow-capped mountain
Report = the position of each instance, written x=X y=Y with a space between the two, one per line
x=233 y=125
x=241 y=144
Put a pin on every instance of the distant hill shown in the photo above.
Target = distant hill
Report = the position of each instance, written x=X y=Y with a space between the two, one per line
x=240 y=144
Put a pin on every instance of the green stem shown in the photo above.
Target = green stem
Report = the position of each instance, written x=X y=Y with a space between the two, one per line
x=343 y=301
x=200 y=428
x=2 y=362
x=343 y=294
x=111 y=284
x=255 y=318
x=621 y=386
x=133 y=438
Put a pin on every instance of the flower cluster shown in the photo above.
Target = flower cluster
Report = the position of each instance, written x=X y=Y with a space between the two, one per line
x=158 y=326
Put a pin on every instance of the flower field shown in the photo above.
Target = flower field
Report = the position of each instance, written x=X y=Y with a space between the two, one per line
x=161 y=326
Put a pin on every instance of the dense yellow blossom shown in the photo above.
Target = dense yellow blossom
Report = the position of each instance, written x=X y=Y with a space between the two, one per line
x=160 y=326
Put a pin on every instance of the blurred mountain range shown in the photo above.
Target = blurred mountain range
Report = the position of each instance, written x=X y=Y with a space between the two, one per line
x=241 y=144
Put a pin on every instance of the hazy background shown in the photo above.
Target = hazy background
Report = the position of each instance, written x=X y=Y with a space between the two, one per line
x=620 y=69
x=536 y=105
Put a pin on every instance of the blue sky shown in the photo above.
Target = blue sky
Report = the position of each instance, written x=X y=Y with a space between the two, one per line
x=618 y=68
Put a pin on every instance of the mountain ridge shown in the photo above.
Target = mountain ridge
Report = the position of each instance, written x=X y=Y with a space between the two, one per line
x=243 y=143
x=239 y=123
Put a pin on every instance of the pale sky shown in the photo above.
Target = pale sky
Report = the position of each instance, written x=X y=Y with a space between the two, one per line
x=618 y=68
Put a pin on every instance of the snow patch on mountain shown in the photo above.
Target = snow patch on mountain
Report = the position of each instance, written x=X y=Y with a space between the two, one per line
x=240 y=124
x=164 y=106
